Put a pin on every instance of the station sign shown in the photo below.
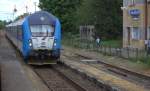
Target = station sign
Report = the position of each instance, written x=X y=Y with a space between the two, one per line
x=135 y=13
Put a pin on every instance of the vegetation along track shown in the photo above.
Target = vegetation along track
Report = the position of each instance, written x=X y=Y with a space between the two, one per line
x=60 y=78
x=111 y=69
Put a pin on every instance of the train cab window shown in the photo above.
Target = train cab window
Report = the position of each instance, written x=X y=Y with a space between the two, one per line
x=42 y=30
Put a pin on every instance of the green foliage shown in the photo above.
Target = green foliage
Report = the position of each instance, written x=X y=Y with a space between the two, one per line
x=21 y=16
x=145 y=59
x=112 y=43
x=106 y=15
x=63 y=9
x=2 y=24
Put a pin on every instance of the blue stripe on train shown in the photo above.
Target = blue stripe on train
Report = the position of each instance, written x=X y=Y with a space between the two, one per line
x=26 y=37
x=57 y=34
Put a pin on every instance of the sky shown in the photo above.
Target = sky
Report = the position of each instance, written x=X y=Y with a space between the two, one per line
x=7 y=7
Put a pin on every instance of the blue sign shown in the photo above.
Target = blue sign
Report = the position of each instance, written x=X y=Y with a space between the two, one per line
x=135 y=12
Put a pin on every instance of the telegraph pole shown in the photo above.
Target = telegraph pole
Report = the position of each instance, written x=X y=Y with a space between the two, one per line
x=35 y=6
x=146 y=17
x=14 y=11
x=146 y=22
x=26 y=9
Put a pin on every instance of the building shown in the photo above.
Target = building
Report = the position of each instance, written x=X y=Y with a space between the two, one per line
x=87 y=32
x=136 y=23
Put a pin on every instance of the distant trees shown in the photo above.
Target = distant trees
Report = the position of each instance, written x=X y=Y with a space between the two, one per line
x=63 y=9
x=106 y=15
x=21 y=16
x=2 y=24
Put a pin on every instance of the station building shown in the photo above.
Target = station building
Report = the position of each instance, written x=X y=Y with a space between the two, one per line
x=136 y=23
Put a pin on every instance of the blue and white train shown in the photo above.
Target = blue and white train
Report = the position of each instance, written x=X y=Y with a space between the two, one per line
x=36 y=36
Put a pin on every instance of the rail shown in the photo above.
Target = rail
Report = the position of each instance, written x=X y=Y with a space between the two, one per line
x=124 y=73
x=134 y=54
x=60 y=80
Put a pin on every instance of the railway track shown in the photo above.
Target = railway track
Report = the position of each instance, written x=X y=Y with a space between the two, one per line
x=59 y=78
x=56 y=79
x=118 y=68
x=120 y=72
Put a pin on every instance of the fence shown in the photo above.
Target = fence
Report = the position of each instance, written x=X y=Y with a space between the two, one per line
x=127 y=53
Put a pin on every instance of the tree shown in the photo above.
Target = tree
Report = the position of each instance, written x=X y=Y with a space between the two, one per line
x=21 y=16
x=63 y=9
x=106 y=15
x=2 y=24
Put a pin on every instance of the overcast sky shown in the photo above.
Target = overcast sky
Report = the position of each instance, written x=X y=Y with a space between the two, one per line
x=7 y=6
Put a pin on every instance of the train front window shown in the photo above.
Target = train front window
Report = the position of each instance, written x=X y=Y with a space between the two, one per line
x=42 y=30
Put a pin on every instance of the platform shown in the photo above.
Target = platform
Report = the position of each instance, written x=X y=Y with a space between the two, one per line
x=137 y=67
x=102 y=77
x=13 y=77
x=16 y=76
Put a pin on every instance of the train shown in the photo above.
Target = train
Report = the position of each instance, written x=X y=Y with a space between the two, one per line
x=37 y=37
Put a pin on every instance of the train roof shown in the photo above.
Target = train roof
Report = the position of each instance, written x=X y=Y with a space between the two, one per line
x=42 y=17
x=37 y=18
x=16 y=23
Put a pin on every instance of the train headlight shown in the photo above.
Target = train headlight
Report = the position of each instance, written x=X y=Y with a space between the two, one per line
x=30 y=44
x=55 y=44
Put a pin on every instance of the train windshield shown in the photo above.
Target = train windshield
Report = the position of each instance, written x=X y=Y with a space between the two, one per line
x=42 y=30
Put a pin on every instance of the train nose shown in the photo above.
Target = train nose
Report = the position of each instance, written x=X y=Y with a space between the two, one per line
x=40 y=53
x=42 y=43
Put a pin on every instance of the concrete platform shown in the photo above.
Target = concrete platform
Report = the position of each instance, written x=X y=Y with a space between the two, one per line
x=137 y=67
x=16 y=76
x=101 y=77
x=13 y=77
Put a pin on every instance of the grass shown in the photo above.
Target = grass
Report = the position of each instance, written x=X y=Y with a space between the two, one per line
x=112 y=43
x=106 y=43
x=145 y=60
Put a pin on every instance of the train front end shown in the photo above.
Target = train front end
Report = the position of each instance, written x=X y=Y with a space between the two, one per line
x=44 y=38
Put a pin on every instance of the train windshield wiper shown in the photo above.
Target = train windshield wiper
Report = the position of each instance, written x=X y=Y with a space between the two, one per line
x=45 y=35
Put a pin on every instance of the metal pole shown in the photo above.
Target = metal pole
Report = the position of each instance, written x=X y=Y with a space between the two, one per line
x=35 y=6
x=146 y=19
x=26 y=9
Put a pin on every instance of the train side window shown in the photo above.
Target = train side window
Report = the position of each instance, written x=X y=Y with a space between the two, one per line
x=20 y=33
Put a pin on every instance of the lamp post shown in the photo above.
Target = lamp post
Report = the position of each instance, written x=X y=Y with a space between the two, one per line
x=146 y=22
x=35 y=6
x=14 y=11
x=146 y=19
x=26 y=9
